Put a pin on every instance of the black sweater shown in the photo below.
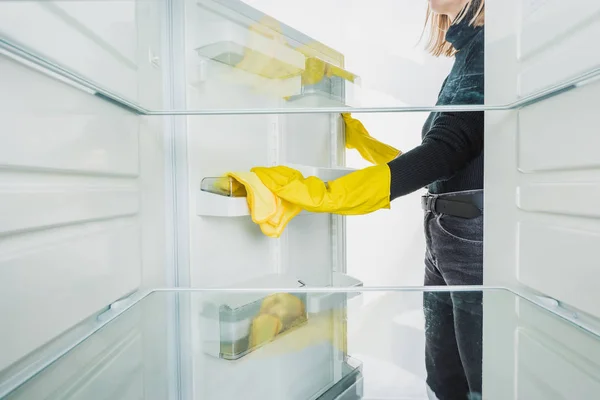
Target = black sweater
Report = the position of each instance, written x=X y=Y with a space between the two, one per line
x=450 y=157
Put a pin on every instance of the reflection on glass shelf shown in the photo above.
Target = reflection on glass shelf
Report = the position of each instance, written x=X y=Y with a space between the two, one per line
x=374 y=344
x=266 y=56
x=232 y=327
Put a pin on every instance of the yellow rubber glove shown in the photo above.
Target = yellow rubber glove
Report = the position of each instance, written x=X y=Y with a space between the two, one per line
x=271 y=213
x=360 y=192
x=370 y=149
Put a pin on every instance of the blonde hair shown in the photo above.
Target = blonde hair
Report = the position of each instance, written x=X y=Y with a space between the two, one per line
x=439 y=25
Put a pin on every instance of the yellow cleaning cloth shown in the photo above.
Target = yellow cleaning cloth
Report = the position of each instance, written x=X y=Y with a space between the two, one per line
x=271 y=213
x=370 y=149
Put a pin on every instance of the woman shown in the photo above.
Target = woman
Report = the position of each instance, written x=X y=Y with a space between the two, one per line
x=452 y=150
x=450 y=163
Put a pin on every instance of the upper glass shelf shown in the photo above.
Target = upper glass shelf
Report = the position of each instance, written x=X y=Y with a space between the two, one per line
x=362 y=343
x=195 y=57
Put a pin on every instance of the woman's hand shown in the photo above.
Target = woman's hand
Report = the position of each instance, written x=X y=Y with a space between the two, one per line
x=369 y=148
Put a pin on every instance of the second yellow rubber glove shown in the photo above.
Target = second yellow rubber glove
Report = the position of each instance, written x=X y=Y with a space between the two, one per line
x=370 y=149
x=360 y=192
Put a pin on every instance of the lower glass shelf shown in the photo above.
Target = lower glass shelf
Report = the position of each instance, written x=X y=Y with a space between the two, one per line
x=398 y=343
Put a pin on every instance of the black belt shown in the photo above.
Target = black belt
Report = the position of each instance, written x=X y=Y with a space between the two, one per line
x=463 y=206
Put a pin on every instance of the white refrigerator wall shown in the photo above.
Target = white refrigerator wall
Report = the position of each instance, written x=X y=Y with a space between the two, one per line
x=542 y=171
x=229 y=250
x=542 y=189
x=82 y=180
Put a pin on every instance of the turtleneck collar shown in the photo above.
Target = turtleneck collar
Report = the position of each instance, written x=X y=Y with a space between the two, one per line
x=461 y=34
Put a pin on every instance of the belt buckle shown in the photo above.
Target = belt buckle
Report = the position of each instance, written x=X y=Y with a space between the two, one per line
x=430 y=202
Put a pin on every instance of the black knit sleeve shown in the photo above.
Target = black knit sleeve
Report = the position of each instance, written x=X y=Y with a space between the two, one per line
x=455 y=138
x=453 y=141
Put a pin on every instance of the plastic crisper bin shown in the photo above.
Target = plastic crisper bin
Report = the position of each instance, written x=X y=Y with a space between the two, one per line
x=249 y=322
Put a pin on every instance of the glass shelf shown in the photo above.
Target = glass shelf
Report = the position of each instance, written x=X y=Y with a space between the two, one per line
x=369 y=344
x=255 y=56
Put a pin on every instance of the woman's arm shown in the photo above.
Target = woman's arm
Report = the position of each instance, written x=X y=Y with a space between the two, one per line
x=455 y=139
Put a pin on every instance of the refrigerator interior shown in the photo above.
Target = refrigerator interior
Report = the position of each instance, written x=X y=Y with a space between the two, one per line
x=118 y=116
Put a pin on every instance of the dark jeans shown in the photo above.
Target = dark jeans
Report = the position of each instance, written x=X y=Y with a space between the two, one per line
x=453 y=321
